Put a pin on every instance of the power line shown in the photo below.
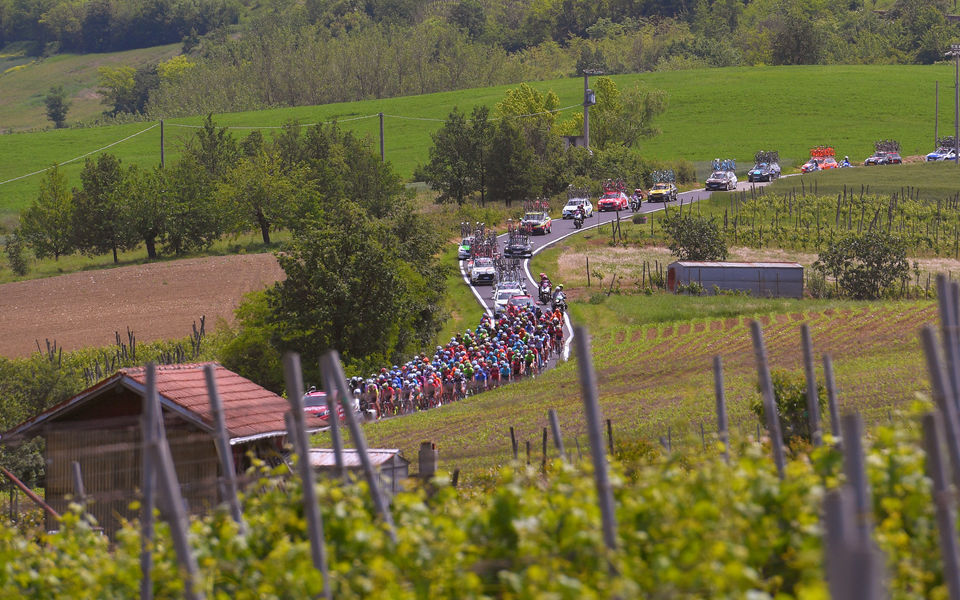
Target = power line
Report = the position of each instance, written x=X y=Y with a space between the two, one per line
x=66 y=162
x=545 y=112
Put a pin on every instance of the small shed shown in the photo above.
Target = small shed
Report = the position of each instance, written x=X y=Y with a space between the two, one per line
x=760 y=279
x=392 y=468
x=100 y=429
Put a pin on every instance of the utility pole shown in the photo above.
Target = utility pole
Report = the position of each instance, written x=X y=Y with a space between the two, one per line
x=381 y=137
x=161 y=143
x=955 y=53
x=936 y=115
x=589 y=99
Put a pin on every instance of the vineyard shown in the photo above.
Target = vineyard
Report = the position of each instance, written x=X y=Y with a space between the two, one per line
x=654 y=379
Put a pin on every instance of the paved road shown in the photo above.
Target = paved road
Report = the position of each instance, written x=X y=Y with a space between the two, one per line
x=562 y=229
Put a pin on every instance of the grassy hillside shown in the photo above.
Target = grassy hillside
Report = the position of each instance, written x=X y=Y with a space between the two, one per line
x=26 y=80
x=717 y=112
x=655 y=376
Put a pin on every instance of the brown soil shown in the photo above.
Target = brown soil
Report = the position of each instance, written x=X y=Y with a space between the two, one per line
x=156 y=301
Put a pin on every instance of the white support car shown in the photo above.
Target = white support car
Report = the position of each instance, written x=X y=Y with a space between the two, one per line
x=573 y=203
x=483 y=271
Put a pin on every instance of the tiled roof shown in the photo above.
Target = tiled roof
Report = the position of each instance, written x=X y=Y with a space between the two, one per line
x=250 y=411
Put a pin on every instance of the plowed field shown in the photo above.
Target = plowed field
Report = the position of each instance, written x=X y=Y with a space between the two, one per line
x=157 y=301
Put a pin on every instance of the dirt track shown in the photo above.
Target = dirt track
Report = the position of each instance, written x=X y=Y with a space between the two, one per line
x=157 y=301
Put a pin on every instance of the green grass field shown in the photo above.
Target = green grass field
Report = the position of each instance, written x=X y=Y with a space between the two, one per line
x=932 y=181
x=718 y=112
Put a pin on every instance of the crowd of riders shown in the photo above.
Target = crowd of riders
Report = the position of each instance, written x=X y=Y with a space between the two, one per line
x=516 y=344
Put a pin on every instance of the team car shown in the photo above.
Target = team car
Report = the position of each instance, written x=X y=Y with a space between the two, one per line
x=819 y=164
x=503 y=293
x=942 y=153
x=482 y=271
x=570 y=210
x=464 y=252
x=536 y=222
x=315 y=405
x=884 y=158
x=662 y=192
x=722 y=180
x=613 y=200
x=520 y=248
x=763 y=172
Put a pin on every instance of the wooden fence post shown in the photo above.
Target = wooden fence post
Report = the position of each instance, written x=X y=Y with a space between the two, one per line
x=769 y=402
x=334 y=423
x=591 y=404
x=172 y=504
x=940 y=386
x=832 y=399
x=943 y=501
x=854 y=467
x=228 y=483
x=543 y=456
x=813 y=398
x=722 y=425
x=610 y=436
x=293 y=379
x=148 y=433
x=80 y=494
x=332 y=371
x=557 y=438
x=513 y=442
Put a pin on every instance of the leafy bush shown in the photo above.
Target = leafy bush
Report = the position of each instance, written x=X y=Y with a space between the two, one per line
x=694 y=237
x=14 y=247
x=790 y=391
x=865 y=266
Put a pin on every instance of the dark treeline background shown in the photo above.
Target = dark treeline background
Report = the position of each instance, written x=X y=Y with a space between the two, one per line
x=241 y=55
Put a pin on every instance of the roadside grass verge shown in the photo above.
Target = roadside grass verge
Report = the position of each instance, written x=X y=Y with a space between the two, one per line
x=931 y=181
x=459 y=303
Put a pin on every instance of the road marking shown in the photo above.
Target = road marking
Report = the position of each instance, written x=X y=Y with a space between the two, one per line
x=466 y=280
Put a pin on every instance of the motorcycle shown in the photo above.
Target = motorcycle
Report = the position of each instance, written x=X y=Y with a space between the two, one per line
x=578 y=221
x=635 y=203
x=545 y=292
x=560 y=302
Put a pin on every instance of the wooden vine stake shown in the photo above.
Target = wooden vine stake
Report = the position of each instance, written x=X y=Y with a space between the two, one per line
x=832 y=399
x=813 y=398
x=228 y=483
x=557 y=437
x=591 y=407
x=296 y=428
x=943 y=501
x=332 y=372
x=722 y=425
x=940 y=388
x=769 y=401
x=172 y=506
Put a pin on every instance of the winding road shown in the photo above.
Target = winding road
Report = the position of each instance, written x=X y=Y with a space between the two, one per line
x=562 y=229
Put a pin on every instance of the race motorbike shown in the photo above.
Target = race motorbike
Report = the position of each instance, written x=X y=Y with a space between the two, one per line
x=578 y=221
x=545 y=288
x=635 y=203
x=560 y=302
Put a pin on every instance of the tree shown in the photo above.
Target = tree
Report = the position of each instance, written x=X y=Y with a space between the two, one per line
x=214 y=149
x=481 y=132
x=259 y=193
x=194 y=217
x=144 y=214
x=97 y=224
x=511 y=167
x=618 y=117
x=348 y=288
x=449 y=171
x=694 y=237
x=864 y=266
x=47 y=226
x=790 y=394
x=116 y=85
x=57 y=106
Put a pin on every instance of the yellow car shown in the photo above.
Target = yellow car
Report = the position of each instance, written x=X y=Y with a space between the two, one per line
x=662 y=192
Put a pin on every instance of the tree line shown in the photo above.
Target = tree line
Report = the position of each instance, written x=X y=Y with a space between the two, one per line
x=110 y=25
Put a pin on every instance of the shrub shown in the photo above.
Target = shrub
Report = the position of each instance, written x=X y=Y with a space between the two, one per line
x=790 y=391
x=694 y=237
x=15 y=258
x=864 y=266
